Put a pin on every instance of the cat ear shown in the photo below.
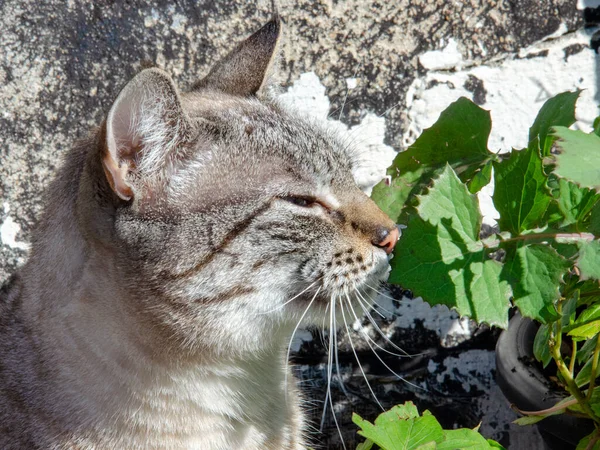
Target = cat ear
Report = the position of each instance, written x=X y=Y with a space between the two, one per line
x=143 y=129
x=247 y=68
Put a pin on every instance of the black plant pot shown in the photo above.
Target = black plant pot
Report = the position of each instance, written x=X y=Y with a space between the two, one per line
x=524 y=384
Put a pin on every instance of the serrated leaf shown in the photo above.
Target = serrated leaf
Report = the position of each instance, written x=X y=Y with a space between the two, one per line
x=520 y=194
x=459 y=138
x=399 y=429
x=541 y=350
x=440 y=257
x=535 y=272
x=481 y=178
x=572 y=204
x=584 y=444
x=579 y=157
x=589 y=259
x=463 y=438
x=559 y=110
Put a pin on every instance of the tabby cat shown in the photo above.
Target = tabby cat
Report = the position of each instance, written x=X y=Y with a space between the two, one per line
x=181 y=244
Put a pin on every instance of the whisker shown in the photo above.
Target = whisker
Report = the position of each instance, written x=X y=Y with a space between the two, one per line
x=386 y=366
x=381 y=333
x=337 y=361
x=291 y=299
x=391 y=313
x=287 y=358
x=368 y=302
x=382 y=294
x=356 y=356
x=366 y=335
x=330 y=371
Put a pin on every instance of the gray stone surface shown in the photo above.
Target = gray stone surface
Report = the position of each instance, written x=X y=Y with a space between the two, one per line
x=62 y=63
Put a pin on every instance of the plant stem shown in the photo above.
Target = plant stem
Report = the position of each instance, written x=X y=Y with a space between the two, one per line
x=555 y=343
x=573 y=358
x=595 y=437
x=594 y=372
x=532 y=236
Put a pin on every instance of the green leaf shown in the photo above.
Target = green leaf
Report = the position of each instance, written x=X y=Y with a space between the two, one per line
x=459 y=138
x=462 y=439
x=400 y=429
x=589 y=259
x=367 y=445
x=573 y=205
x=494 y=444
x=569 y=310
x=535 y=273
x=583 y=376
x=541 y=350
x=528 y=420
x=594 y=226
x=586 y=350
x=585 y=442
x=440 y=257
x=585 y=331
x=481 y=178
x=559 y=110
x=520 y=194
x=579 y=157
x=596 y=126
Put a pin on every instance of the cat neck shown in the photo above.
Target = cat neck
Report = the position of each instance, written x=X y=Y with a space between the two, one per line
x=108 y=358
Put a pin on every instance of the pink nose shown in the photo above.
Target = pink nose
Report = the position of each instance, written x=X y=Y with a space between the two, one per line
x=387 y=239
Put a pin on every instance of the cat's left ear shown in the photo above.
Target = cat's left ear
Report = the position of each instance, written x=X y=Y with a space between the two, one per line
x=246 y=70
x=144 y=130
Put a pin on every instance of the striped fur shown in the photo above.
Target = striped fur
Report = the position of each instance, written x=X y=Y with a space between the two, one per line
x=154 y=310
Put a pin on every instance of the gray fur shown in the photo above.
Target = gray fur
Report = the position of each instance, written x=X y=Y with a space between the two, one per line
x=151 y=311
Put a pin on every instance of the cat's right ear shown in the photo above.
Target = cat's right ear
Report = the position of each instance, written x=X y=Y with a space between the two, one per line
x=144 y=127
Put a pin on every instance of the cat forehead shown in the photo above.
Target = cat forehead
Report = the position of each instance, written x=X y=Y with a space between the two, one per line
x=246 y=130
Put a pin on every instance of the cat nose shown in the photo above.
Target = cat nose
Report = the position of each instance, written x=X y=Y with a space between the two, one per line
x=386 y=239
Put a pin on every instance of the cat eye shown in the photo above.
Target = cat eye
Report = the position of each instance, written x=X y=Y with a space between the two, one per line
x=304 y=201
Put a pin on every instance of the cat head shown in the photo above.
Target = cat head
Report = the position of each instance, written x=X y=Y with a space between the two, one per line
x=232 y=211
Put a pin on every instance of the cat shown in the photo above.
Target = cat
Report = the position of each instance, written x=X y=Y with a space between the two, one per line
x=181 y=245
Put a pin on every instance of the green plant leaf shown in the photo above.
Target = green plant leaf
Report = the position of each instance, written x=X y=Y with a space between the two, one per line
x=579 y=157
x=462 y=438
x=559 y=110
x=589 y=259
x=440 y=257
x=528 y=420
x=583 y=376
x=586 y=350
x=494 y=444
x=584 y=444
x=481 y=178
x=541 y=350
x=520 y=194
x=367 y=445
x=535 y=273
x=400 y=429
x=459 y=138
x=573 y=205
x=585 y=331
